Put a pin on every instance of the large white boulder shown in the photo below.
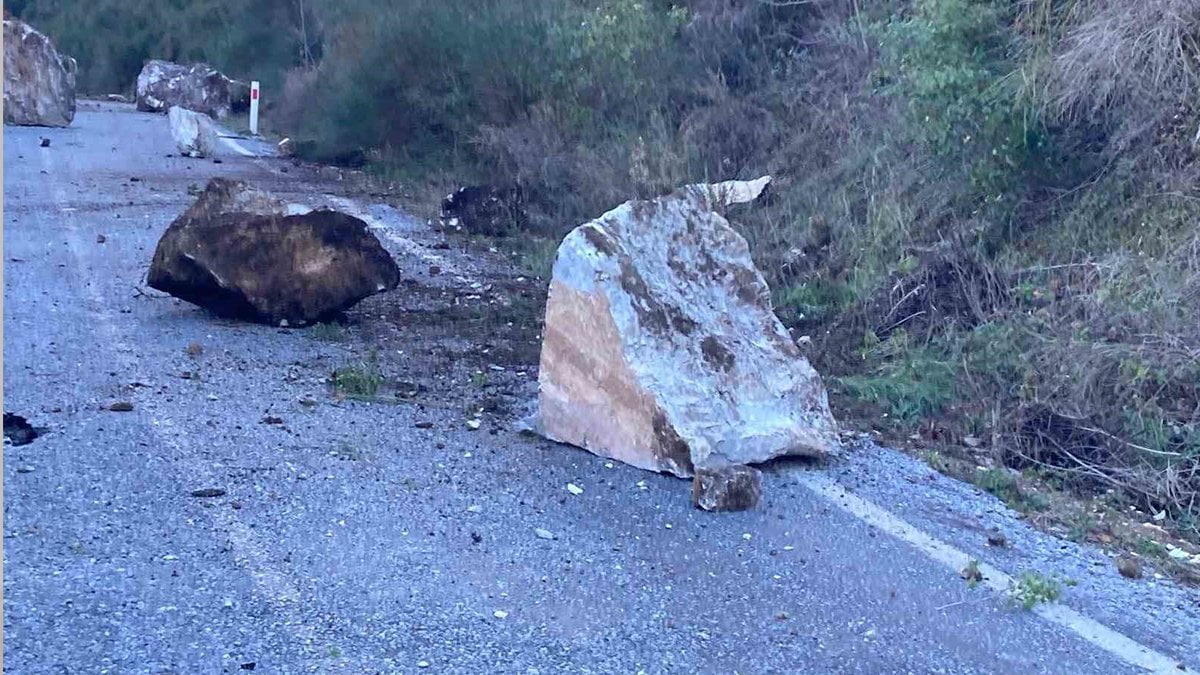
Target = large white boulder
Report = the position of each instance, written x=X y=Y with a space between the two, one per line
x=39 y=83
x=661 y=348
x=200 y=87
x=193 y=132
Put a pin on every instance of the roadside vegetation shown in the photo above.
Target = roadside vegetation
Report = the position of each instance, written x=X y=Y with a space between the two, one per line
x=984 y=211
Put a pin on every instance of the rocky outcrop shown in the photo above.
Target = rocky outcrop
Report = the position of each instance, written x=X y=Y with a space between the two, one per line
x=485 y=209
x=193 y=132
x=661 y=348
x=39 y=83
x=162 y=85
x=729 y=488
x=242 y=253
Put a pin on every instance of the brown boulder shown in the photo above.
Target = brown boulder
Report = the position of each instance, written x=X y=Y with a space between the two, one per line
x=241 y=253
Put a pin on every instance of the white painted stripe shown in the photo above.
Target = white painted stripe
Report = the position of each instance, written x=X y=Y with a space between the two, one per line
x=408 y=246
x=1119 y=645
x=237 y=147
x=272 y=583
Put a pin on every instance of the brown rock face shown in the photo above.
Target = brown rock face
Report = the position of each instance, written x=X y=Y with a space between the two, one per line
x=198 y=87
x=731 y=488
x=661 y=348
x=39 y=83
x=238 y=253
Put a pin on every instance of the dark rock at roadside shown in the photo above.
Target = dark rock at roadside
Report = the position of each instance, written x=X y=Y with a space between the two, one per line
x=485 y=209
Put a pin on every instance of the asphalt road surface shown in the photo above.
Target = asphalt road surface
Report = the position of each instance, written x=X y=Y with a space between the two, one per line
x=348 y=539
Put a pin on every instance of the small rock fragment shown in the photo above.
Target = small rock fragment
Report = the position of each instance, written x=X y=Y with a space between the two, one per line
x=45 y=143
x=473 y=425
x=574 y=489
x=972 y=441
x=100 y=239
x=500 y=614
x=997 y=538
x=249 y=665
x=1129 y=567
x=195 y=349
x=971 y=573
x=121 y=406
x=424 y=425
x=733 y=488
x=422 y=664
x=544 y=534
x=208 y=492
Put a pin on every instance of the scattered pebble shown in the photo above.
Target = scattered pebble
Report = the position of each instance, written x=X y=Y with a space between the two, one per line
x=1129 y=567
x=997 y=539
x=747 y=536
x=544 y=534
x=474 y=508
x=500 y=614
x=100 y=239
x=574 y=489
x=208 y=492
x=425 y=425
x=45 y=142
x=121 y=406
x=473 y=425
x=422 y=664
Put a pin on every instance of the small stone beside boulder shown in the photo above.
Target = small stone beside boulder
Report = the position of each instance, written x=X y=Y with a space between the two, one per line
x=661 y=348
x=39 y=83
x=193 y=132
x=730 y=488
x=242 y=253
x=199 y=87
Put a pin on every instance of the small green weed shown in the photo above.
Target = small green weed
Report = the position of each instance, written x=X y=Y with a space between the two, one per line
x=328 y=332
x=361 y=381
x=1033 y=588
x=909 y=385
x=1004 y=485
x=816 y=300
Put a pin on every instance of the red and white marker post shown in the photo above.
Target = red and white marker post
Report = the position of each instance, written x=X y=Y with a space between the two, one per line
x=254 y=108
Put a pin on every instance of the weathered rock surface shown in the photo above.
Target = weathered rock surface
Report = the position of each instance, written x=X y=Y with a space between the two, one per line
x=162 y=85
x=39 y=83
x=241 y=253
x=485 y=209
x=730 y=488
x=193 y=132
x=661 y=348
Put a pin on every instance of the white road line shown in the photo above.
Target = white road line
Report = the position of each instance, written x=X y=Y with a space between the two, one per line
x=237 y=147
x=272 y=584
x=1118 y=644
x=408 y=246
